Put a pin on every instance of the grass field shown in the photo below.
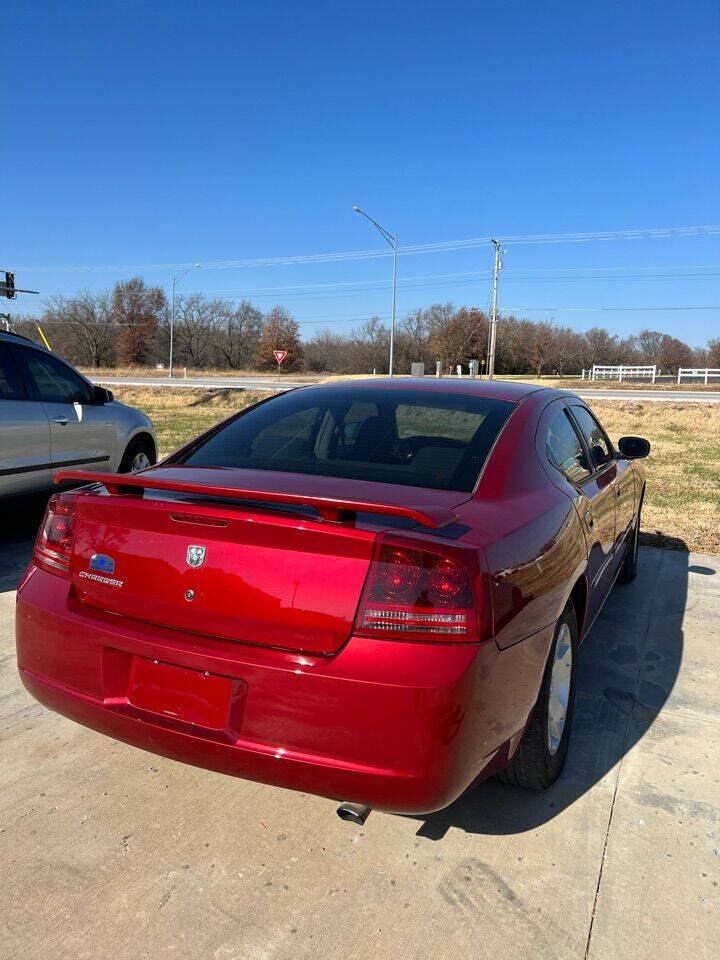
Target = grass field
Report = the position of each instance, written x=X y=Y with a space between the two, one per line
x=682 y=503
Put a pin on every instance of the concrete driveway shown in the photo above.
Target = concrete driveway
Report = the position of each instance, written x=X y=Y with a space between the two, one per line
x=110 y=852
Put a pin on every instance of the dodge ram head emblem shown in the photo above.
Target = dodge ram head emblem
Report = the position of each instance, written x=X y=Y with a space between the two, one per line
x=195 y=556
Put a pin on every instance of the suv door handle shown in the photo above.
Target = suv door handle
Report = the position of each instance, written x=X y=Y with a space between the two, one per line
x=589 y=520
x=61 y=420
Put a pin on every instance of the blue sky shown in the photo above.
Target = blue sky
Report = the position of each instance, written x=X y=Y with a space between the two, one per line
x=167 y=133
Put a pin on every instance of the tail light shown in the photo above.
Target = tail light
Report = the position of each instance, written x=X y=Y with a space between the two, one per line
x=416 y=593
x=54 y=543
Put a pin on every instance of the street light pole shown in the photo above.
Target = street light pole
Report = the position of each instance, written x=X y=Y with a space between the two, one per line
x=493 y=315
x=393 y=241
x=172 y=315
x=392 y=314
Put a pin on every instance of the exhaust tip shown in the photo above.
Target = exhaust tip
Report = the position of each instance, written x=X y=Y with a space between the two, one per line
x=354 y=812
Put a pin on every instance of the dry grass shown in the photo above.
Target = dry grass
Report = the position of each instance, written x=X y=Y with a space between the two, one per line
x=180 y=415
x=682 y=499
x=682 y=502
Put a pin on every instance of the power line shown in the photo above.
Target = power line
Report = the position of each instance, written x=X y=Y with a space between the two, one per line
x=598 y=308
x=630 y=277
x=358 y=284
x=666 y=266
x=367 y=287
x=441 y=247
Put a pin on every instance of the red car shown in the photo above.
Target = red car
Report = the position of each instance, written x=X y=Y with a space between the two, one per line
x=374 y=591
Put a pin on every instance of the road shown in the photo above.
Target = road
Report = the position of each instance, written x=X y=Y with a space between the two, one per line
x=271 y=383
x=111 y=852
x=216 y=383
x=654 y=396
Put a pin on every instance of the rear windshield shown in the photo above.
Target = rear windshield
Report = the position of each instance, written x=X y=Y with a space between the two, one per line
x=414 y=438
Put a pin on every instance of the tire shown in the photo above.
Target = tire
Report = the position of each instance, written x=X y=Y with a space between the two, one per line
x=540 y=758
x=629 y=568
x=139 y=454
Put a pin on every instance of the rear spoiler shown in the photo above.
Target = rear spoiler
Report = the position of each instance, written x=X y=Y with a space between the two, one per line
x=329 y=508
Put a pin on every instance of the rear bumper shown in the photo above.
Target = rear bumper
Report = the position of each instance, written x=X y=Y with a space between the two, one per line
x=398 y=726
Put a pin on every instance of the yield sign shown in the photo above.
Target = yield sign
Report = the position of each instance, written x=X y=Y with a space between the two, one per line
x=279 y=355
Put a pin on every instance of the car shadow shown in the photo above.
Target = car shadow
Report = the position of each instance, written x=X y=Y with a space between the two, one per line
x=627 y=668
x=19 y=522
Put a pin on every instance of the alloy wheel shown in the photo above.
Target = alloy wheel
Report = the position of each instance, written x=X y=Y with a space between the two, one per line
x=559 y=689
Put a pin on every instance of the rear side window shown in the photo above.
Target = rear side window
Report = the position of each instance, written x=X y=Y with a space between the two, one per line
x=413 y=438
x=564 y=449
x=54 y=380
x=11 y=387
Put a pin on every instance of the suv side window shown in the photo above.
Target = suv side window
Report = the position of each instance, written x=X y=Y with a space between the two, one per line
x=564 y=449
x=601 y=451
x=11 y=386
x=55 y=381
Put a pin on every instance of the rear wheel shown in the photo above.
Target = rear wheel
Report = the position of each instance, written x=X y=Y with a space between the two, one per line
x=140 y=453
x=540 y=758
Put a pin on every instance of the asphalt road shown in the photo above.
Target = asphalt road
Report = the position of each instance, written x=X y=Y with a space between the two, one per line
x=655 y=396
x=111 y=853
x=217 y=383
x=272 y=383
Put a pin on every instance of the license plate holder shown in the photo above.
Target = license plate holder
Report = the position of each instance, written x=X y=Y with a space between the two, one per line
x=180 y=693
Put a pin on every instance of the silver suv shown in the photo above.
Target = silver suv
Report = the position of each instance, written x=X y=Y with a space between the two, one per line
x=52 y=417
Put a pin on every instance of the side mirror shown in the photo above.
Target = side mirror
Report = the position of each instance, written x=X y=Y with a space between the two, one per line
x=633 y=448
x=101 y=395
x=598 y=456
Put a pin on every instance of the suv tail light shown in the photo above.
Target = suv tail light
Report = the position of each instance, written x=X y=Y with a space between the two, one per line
x=54 y=543
x=416 y=593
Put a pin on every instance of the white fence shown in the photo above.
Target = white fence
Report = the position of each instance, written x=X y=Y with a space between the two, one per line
x=621 y=372
x=695 y=372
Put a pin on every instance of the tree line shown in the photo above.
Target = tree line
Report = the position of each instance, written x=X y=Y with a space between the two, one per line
x=130 y=326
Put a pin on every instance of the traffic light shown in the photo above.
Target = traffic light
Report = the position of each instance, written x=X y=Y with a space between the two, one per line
x=9 y=289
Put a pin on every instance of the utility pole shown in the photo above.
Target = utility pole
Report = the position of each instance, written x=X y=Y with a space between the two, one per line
x=493 y=315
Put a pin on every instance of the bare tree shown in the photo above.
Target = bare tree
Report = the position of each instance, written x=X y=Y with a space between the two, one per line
x=411 y=339
x=238 y=334
x=602 y=347
x=673 y=354
x=137 y=309
x=195 y=320
x=280 y=331
x=130 y=324
x=541 y=345
x=650 y=344
x=459 y=337
x=82 y=327
x=329 y=352
x=713 y=349
x=371 y=343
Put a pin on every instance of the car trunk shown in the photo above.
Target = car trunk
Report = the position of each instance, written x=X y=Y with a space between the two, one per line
x=270 y=574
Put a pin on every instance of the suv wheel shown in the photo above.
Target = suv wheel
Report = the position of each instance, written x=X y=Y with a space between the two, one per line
x=140 y=453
